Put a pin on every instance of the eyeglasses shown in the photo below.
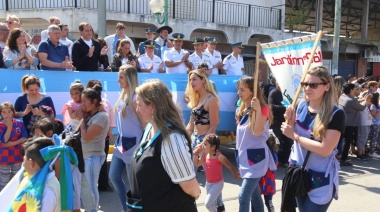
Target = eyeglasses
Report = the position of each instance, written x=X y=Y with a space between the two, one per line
x=312 y=85
x=9 y=22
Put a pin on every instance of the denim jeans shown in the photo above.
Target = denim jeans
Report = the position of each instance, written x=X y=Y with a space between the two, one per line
x=213 y=192
x=306 y=205
x=115 y=174
x=250 y=193
x=92 y=170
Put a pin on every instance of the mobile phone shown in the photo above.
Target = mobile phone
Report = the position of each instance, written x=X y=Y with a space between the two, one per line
x=35 y=106
x=130 y=57
x=369 y=90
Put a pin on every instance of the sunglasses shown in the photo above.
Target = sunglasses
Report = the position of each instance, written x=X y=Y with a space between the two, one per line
x=312 y=85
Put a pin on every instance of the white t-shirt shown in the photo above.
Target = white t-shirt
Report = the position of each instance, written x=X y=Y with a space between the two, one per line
x=365 y=117
x=67 y=43
x=214 y=59
x=173 y=55
x=233 y=65
x=145 y=62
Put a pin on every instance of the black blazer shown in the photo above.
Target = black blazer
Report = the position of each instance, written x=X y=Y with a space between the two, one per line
x=80 y=58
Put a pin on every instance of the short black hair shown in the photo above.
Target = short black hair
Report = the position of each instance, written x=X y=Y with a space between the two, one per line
x=32 y=148
x=347 y=87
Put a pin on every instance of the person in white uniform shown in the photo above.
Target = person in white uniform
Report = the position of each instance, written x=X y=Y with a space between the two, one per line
x=149 y=62
x=215 y=56
x=198 y=56
x=175 y=58
x=233 y=64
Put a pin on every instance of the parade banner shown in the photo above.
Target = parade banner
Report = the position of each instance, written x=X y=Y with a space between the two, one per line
x=287 y=60
x=56 y=84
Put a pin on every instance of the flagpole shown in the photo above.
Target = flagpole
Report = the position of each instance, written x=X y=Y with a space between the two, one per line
x=256 y=79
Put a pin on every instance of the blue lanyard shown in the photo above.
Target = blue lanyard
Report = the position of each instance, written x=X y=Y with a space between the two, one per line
x=142 y=148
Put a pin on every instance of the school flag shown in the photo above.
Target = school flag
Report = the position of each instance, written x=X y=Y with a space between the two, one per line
x=287 y=59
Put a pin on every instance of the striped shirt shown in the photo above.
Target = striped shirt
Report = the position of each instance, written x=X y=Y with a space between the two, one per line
x=176 y=158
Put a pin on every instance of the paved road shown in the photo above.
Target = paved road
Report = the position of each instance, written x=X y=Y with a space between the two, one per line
x=358 y=191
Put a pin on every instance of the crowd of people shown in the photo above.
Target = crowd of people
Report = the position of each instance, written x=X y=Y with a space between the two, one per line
x=156 y=149
x=163 y=54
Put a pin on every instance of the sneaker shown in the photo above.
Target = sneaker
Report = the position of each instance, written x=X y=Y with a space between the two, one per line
x=345 y=163
x=362 y=157
x=221 y=208
x=374 y=155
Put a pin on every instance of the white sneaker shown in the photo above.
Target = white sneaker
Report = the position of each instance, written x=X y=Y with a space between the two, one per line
x=374 y=155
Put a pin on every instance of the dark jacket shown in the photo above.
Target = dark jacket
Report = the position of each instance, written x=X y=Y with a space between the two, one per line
x=81 y=60
x=118 y=58
x=351 y=108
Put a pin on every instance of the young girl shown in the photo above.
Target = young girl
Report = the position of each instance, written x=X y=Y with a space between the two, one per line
x=12 y=135
x=71 y=107
x=268 y=182
x=214 y=160
x=46 y=127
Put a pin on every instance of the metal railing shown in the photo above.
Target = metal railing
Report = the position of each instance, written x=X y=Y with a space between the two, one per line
x=214 y=11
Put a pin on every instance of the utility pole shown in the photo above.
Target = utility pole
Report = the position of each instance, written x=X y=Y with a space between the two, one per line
x=335 y=59
x=319 y=16
x=364 y=24
x=102 y=32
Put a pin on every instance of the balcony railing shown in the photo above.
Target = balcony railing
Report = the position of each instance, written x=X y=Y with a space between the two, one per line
x=214 y=11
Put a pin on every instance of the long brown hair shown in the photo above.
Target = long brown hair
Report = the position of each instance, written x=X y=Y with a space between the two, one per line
x=248 y=82
x=324 y=115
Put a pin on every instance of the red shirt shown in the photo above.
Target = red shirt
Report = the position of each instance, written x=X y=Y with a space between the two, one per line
x=213 y=169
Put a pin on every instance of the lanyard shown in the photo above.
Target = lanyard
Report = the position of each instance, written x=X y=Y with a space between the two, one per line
x=145 y=145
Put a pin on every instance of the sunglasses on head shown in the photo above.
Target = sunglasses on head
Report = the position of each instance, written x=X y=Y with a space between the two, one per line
x=312 y=85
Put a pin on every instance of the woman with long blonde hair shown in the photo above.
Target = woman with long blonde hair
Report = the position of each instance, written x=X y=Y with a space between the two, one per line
x=253 y=155
x=204 y=105
x=315 y=127
x=162 y=173
x=130 y=126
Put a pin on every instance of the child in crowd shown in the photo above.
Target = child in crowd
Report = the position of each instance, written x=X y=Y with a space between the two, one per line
x=268 y=182
x=35 y=187
x=375 y=127
x=214 y=161
x=75 y=143
x=12 y=135
x=46 y=127
x=71 y=107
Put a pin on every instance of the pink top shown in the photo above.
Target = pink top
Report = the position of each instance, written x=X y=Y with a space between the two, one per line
x=213 y=170
x=70 y=104
x=109 y=110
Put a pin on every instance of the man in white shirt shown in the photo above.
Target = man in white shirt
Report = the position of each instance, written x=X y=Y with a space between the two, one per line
x=149 y=62
x=198 y=56
x=63 y=39
x=215 y=56
x=52 y=21
x=176 y=58
x=233 y=64
x=111 y=40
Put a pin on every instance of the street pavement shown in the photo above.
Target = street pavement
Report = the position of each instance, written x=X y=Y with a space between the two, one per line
x=359 y=188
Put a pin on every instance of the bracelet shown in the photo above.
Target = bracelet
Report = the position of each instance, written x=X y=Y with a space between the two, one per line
x=297 y=138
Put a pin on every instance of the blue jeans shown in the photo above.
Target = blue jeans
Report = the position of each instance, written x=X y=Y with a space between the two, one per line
x=115 y=174
x=250 y=193
x=92 y=170
x=305 y=204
